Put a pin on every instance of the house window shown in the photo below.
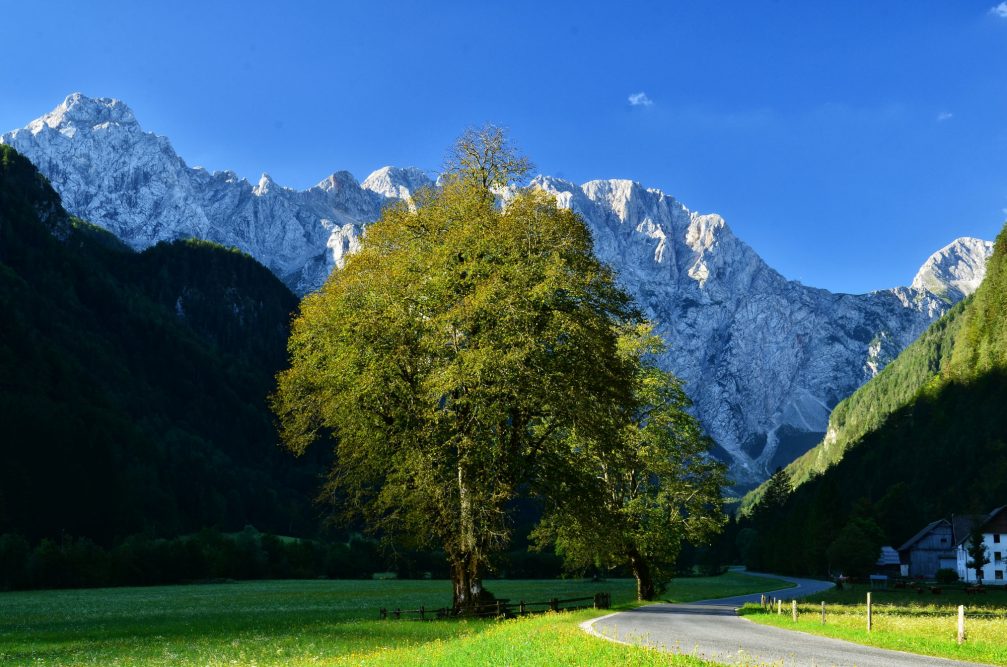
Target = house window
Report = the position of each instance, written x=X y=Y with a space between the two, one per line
x=944 y=540
x=998 y=574
x=996 y=538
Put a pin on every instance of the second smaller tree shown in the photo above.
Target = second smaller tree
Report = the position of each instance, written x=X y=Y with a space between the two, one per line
x=636 y=503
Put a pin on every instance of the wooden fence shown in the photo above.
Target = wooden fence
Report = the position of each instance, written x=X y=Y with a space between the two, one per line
x=499 y=609
x=767 y=603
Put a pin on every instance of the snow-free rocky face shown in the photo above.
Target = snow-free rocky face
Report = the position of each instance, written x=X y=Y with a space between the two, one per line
x=764 y=358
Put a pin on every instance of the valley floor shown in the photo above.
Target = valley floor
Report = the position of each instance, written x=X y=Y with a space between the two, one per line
x=319 y=623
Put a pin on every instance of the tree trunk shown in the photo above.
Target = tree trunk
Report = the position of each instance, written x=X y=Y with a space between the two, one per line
x=467 y=584
x=466 y=577
x=645 y=589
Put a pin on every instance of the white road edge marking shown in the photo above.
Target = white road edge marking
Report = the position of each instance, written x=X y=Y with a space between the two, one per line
x=588 y=627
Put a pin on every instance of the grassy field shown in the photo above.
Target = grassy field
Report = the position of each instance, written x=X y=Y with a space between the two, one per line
x=905 y=621
x=318 y=623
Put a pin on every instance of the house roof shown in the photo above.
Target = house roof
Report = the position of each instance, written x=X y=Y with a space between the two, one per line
x=963 y=525
x=889 y=556
x=920 y=535
x=969 y=523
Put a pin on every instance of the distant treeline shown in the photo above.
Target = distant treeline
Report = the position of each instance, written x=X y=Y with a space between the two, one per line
x=209 y=555
x=143 y=560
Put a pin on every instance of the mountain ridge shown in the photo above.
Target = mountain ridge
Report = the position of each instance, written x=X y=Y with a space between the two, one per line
x=921 y=441
x=764 y=358
x=133 y=384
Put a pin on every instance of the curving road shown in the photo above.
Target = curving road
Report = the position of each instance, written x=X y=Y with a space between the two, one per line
x=712 y=630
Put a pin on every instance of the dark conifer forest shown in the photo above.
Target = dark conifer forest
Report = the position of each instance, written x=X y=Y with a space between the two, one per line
x=133 y=385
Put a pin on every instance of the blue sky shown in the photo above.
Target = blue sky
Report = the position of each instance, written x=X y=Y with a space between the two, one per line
x=845 y=141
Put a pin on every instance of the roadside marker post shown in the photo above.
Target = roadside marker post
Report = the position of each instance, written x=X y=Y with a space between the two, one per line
x=869 y=612
x=793 y=609
x=823 y=612
x=961 y=624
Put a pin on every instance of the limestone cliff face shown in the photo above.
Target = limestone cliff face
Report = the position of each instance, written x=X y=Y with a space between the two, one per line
x=763 y=358
x=109 y=171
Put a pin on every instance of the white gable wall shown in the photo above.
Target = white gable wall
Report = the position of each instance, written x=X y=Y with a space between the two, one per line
x=995 y=572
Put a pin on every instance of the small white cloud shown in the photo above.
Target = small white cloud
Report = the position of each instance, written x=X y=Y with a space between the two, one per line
x=945 y=115
x=641 y=100
x=1000 y=10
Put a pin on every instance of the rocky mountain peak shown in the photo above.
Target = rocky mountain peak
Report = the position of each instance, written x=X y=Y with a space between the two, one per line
x=956 y=270
x=339 y=180
x=397 y=182
x=78 y=111
x=265 y=184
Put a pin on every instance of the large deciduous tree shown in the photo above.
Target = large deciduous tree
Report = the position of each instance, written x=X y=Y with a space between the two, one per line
x=642 y=498
x=453 y=358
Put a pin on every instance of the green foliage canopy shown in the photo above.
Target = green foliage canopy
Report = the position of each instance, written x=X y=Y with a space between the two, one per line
x=453 y=357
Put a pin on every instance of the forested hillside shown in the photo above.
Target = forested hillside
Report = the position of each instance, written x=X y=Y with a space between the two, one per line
x=133 y=386
x=866 y=409
x=926 y=439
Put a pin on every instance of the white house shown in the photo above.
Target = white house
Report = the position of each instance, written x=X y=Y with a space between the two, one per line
x=994 y=529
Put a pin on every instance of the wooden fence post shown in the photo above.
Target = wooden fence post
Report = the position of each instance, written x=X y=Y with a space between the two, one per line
x=554 y=604
x=521 y=610
x=499 y=609
x=793 y=609
x=398 y=613
x=384 y=614
x=762 y=602
x=779 y=607
x=823 y=612
x=869 y=619
x=423 y=613
x=961 y=624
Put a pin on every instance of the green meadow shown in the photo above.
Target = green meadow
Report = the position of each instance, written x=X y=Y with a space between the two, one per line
x=321 y=622
x=904 y=621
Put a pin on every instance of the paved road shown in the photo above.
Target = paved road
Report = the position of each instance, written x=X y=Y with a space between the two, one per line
x=711 y=629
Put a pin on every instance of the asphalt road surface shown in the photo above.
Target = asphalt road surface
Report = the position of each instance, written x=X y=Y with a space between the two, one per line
x=712 y=630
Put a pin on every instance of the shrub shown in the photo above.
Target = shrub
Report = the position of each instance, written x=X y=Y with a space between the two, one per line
x=14 y=554
x=946 y=575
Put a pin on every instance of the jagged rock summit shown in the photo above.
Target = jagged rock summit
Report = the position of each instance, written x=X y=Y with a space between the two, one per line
x=956 y=270
x=397 y=183
x=108 y=170
x=764 y=358
x=78 y=110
